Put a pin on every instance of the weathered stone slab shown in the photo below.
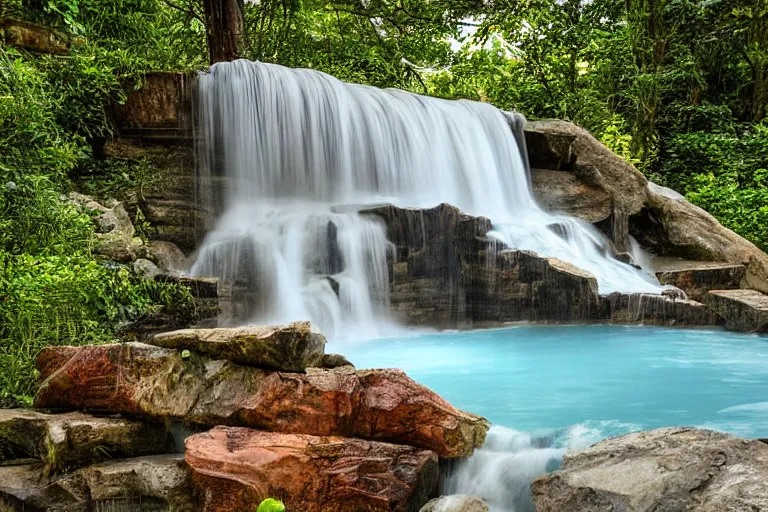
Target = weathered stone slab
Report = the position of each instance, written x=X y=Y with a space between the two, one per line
x=674 y=469
x=68 y=441
x=235 y=468
x=742 y=310
x=294 y=347
x=563 y=192
x=656 y=310
x=697 y=278
x=143 y=484
x=134 y=378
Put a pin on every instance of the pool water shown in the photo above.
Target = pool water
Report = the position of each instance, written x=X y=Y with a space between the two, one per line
x=548 y=389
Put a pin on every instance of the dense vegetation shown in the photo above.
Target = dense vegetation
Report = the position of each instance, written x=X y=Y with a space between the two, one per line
x=679 y=87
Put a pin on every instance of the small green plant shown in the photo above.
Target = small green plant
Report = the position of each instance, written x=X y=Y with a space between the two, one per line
x=271 y=505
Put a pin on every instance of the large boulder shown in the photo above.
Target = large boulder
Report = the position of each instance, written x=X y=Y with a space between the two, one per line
x=236 y=468
x=292 y=348
x=152 y=483
x=134 y=378
x=168 y=256
x=595 y=185
x=73 y=440
x=669 y=469
x=456 y=503
x=671 y=226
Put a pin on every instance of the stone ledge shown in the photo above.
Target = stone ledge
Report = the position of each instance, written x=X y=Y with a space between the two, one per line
x=742 y=310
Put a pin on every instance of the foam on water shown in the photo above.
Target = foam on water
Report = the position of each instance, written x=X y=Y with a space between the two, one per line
x=550 y=389
x=293 y=144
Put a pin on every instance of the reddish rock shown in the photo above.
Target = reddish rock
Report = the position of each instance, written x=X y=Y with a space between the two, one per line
x=134 y=378
x=235 y=468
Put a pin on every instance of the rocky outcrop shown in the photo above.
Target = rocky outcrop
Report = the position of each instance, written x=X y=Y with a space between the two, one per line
x=31 y=37
x=158 y=482
x=236 y=468
x=696 y=278
x=73 y=440
x=596 y=185
x=145 y=380
x=168 y=257
x=669 y=225
x=664 y=469
x=742 y=310
x=291 y=348
x=456 y=503
x=470 y=278
x=114 y=229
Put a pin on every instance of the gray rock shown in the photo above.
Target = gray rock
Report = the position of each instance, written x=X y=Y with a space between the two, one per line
x=668 y=469
x=671 y=226
x=145 y=268
x=168 y=256
x=742 y=310
x=294 y=347
x=696 y=278
x=456 y=503
x=117 y=246
x=109 y=219
x=151 y=483
x=335 y=361
x=72 y=440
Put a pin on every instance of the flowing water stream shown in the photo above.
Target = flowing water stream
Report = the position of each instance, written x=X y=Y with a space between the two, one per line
x=302 y=151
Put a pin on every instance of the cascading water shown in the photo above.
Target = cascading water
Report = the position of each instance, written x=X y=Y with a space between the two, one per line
x=294 y=144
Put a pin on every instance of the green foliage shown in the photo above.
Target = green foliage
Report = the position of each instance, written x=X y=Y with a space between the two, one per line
x=271 y=505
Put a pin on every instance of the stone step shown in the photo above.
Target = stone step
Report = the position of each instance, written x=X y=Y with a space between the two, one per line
x=154 y=483
x=696 y=278
x=294 y=347
x=73 y=440
x=648 y=309
x=145 y=380
x=235 y=468
x=742 y=310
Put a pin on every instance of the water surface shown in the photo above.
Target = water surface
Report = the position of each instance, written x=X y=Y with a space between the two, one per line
x=547 y=389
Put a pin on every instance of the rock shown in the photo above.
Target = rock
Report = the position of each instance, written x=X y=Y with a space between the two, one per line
x=117 y=246
x=669 y=469
x=235 y=468
x=472 y=278
x=145 y=268
x=108 y=219
x=139 y=379
x=597 y=181
x=742 y=310
x=669 y=225
x=697 y=278
x=335 y=361
x=650 y=309
x=68 y=441
x=291 y=348
x=31 y=37
x=562 y=192
x=158 y=482
x=168 y=256
x=199 y=287
x=456 y=503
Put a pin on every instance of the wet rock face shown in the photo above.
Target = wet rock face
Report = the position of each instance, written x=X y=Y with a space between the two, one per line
x=670 y=469
x=145 y=380
x=594 y=184
x=698 y=278
x=144 y=484
x=235 y=468
x=73 y=440
x=291 y=348
x=446 y=255
x=742 y=310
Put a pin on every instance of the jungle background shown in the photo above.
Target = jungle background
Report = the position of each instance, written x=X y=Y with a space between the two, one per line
x=678 y=87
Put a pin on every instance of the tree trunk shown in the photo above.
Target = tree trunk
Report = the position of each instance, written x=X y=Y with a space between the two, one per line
x=224 y=28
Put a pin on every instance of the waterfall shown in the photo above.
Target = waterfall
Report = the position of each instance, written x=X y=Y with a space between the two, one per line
x=299 y=149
